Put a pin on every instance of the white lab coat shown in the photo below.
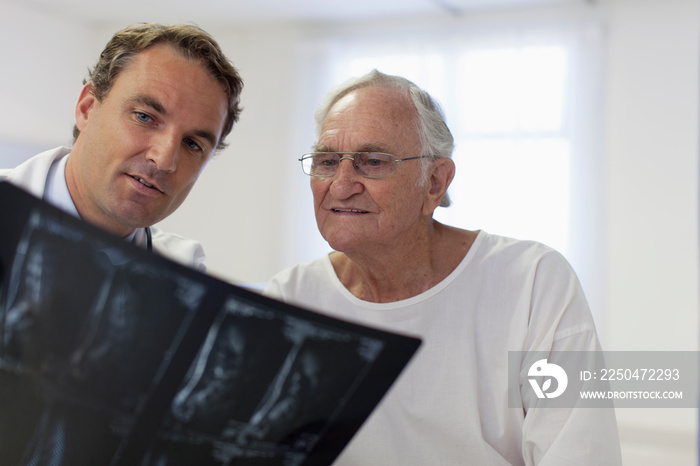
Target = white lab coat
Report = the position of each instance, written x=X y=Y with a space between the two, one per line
x=32 y=175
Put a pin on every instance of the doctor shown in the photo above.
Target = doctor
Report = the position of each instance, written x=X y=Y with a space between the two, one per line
x=153 y=111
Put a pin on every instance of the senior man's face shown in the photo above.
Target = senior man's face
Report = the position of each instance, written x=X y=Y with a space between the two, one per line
x=354 y=213
x=142 y=148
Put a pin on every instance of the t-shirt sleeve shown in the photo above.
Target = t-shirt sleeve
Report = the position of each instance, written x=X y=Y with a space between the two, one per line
x=561 y=321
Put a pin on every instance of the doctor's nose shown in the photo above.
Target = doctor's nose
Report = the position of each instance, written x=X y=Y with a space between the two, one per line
x=164 y=152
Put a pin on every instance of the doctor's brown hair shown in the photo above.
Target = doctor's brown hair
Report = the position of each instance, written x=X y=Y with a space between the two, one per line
x=189 y=40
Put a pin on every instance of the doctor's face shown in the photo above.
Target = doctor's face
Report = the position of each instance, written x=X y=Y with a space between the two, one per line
x=141 y=149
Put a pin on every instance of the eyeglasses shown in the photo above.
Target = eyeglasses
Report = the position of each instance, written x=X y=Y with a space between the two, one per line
x=367 y=164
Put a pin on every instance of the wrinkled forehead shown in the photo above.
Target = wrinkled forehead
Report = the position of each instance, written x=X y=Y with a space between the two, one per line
x=371 y=116
x=385 y=103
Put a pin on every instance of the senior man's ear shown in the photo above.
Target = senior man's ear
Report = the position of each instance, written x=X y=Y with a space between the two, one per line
x=440 y=174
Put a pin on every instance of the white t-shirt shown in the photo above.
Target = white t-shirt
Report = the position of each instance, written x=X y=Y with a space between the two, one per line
x=450 y=405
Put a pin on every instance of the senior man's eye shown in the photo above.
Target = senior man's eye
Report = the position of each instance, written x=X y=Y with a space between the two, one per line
x=373 y=159
x=326 y=160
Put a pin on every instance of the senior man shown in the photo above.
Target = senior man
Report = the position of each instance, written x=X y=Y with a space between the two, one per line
x=155 y=108
x=381 y=167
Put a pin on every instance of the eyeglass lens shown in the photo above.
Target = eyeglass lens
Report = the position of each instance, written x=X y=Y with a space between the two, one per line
x=369 y=164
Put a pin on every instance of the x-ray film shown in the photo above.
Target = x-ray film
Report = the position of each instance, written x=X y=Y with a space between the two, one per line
x=112 y=355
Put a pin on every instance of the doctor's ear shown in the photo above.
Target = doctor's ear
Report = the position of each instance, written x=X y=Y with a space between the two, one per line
x=86 y=102
x=440 y=175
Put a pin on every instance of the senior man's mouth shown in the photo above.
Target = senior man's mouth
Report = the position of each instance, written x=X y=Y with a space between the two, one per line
x=350 y=211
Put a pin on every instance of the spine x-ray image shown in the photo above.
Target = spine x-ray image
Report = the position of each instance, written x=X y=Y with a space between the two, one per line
x=111 y=355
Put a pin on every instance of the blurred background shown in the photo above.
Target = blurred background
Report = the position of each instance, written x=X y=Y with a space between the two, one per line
x=576 y=125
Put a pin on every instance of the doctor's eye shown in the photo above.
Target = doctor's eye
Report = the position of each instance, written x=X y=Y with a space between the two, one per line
x=192 y=144
x=143 y=117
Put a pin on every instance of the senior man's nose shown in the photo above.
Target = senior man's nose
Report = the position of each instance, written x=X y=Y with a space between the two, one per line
x=346 y=180
x=348 y=168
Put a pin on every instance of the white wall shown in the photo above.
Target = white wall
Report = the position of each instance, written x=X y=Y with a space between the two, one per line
x=244 y=208
x=37 y=94
x=652 y=155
